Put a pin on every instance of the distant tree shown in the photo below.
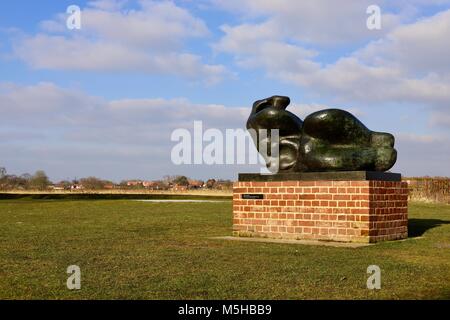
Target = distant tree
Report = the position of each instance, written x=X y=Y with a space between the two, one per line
x=3 y=180
x=11 y=182
x=26 y=176
x=211 y=183
x=169 y=179
x=123 y=184
x=39 y=180
x=65 y=184
x=24 y=181
x=108 y=183
x=225 y=184
x=181 y=180
x=2 y=172
x=161 y=185
x=93 y=183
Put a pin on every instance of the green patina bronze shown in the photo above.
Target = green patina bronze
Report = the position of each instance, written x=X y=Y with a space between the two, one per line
x=327 y=140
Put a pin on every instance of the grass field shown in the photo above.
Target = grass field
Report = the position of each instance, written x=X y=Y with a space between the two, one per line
x=136 y=250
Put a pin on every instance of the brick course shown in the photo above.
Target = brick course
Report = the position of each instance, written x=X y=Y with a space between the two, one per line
x=349 y=211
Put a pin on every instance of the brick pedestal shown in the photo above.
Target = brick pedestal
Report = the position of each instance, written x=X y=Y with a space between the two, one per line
x=349 y=211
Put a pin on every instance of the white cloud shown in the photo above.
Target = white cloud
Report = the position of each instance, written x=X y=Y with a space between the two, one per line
x=417 y=49
x=409 y=64
x=108 y=5
x=351 y=80
x=324 y=22
x=440 y=117
x=39 y=102
x=257 y=46
x=423 y=155
x=156 y=25
x=47 y=105
x=149 y=40
x=69 y=133
x=82 y=54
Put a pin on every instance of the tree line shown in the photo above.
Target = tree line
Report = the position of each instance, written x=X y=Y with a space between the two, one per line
x=37 y=181
x=40 y=181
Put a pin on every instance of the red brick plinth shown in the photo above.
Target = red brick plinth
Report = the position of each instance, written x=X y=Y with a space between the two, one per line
x=349 y=211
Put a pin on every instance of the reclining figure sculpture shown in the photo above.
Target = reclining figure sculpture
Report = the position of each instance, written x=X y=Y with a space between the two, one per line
x=327 y=140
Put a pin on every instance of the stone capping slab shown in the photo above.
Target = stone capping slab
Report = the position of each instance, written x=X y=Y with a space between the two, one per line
x=324 y=176
x=302 y=242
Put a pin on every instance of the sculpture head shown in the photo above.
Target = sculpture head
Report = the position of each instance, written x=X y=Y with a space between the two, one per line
x=271 y=114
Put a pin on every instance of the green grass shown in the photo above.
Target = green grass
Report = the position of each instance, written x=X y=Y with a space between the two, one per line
x=134 y=250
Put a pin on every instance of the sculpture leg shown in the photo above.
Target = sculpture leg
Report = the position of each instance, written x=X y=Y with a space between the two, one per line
x=317 y=155
x=336 y=140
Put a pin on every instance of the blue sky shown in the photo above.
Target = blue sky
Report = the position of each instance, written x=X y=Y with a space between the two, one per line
x=104 y=100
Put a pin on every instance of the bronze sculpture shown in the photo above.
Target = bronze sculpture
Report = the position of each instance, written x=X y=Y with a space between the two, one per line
x=327 y=140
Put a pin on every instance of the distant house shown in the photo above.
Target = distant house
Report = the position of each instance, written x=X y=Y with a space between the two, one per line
x=134 y=183
x=150 y=184
x=76 y=187
x=223 y=185
x=177 y=187
x=196 y=184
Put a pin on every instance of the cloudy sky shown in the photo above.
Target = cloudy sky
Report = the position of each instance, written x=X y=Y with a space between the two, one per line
x=105 y=99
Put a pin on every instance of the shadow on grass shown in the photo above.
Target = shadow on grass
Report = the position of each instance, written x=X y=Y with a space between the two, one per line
x=417 y=227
